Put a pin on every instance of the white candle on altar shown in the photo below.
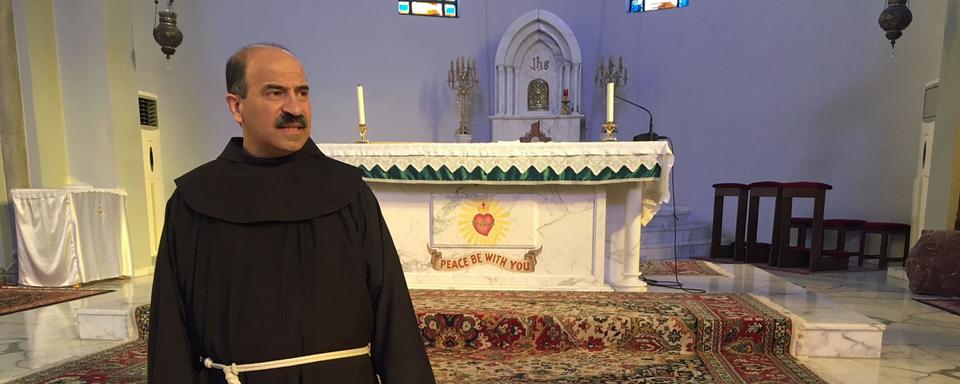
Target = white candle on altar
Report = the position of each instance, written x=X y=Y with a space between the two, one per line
x=609 y=102
x=363 y=119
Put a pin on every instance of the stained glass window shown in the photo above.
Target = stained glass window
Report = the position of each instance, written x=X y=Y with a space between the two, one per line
x=635 y=6
x=439 y=8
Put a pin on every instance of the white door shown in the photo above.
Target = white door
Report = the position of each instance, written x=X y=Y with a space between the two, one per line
x=922 y=182
x=150 y=143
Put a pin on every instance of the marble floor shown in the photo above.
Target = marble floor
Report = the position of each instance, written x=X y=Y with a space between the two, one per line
x=920 y=344
x=40 y=338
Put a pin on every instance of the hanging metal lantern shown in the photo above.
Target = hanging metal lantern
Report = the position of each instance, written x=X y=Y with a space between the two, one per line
x=894 y=19
x=166 y=32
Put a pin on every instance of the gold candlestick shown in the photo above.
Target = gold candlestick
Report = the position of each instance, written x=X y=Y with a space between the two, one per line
x=363 y=134
x=609 y=128
x=565 y=106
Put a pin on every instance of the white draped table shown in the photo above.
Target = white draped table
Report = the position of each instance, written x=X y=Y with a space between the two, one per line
x=539 y=216
x=71 y=235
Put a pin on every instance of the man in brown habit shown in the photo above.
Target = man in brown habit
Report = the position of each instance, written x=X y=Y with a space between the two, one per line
x=276 y=255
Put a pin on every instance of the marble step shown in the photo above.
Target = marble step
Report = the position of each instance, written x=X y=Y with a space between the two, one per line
x=897 y=272
x=685 y=250
x=105 y=324
x=664 y=217
x=685 y=233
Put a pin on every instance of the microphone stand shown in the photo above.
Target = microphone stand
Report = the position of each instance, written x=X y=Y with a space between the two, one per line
x=650 y=135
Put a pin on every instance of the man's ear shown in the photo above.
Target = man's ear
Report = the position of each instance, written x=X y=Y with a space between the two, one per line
x=233 y=104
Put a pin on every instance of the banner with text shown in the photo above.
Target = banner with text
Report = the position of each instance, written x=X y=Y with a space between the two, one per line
x=526 y=264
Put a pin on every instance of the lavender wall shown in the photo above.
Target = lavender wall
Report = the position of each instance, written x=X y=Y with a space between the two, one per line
x=786 y=90
x=748 y=89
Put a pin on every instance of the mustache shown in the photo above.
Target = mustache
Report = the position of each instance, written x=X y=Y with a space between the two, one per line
x=288 y=119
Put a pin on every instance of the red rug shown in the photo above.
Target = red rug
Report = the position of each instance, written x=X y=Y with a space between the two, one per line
x=581 y=337
x=16 y=299
x=951 y=305
x=559 y=337
x=683 y=267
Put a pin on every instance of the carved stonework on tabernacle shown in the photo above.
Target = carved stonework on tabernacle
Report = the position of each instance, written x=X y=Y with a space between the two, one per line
x=535 y=134
x=538 y=70
x=538 y=95
x=527 y=264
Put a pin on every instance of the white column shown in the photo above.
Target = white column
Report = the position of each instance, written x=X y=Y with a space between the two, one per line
x=630 y=279
x=563 y=84
x=499 y=95
x=509 y=90
x=514 y=91
x=600 y=234
x=577 y=84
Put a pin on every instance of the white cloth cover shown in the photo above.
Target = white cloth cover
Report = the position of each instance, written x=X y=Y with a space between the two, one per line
x=559 y=155
x=595 y=156
x=71 y=235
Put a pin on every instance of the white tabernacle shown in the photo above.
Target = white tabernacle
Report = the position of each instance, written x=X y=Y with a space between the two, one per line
x=534 y=216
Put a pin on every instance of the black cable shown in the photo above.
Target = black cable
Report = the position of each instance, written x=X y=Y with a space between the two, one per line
x=651 y=136
x=676 y=284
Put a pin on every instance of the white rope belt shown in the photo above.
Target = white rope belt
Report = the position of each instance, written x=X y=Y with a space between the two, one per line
x=233 y=370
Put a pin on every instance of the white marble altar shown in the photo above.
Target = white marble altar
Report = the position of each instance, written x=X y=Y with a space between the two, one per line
x=537 y=216
x=538 y=48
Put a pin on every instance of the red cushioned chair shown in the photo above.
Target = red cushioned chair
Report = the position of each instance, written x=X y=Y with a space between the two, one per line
x=756 y=251
x=839 y=257
x=795 y=257
x=885 y=230
x=720 y=191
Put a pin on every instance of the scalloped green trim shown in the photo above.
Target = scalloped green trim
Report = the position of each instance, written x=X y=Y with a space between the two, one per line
x=510 y=175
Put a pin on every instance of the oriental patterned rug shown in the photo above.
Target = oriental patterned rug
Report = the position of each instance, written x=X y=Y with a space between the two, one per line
x=951 y=305
x=683 y=267
x=559 y=337
x=16 y=299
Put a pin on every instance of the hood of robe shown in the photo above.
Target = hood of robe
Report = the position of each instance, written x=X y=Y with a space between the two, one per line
x=240 y=188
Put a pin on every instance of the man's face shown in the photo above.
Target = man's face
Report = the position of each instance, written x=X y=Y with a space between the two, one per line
x=275 y=115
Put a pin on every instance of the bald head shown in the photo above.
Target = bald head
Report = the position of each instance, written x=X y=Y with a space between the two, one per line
x=237 y=66
x=269 y=97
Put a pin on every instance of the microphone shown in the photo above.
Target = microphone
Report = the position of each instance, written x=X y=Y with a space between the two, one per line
x=650 y=135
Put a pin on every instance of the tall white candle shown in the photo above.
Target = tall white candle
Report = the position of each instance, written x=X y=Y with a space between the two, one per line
x=610 y=102
x=363 y=119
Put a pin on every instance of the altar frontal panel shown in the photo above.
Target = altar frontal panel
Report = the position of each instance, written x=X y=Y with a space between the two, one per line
x=497 y=237
x=483 y=220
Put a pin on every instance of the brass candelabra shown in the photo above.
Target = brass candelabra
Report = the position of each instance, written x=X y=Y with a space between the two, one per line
x=462 y=79
x=611 y=73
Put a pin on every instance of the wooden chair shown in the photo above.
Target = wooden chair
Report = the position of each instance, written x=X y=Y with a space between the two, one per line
x=720 y=191
x=756 y=251
x=885 y=230
x=792 y=257
x=839 y=257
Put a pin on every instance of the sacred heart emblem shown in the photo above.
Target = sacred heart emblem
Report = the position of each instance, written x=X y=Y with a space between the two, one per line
x=483 y=221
